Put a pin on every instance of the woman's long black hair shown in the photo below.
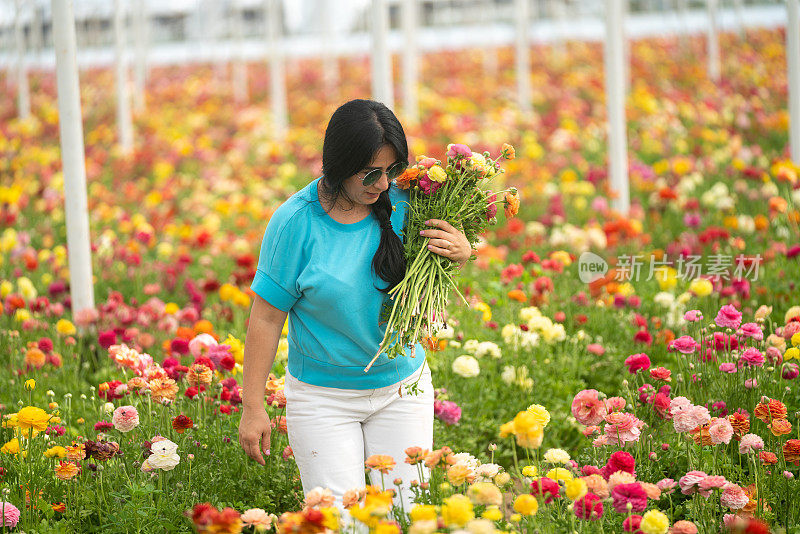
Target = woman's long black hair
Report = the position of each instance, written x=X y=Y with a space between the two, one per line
x=355 y=133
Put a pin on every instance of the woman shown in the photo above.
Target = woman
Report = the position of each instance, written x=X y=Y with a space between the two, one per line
x=330 y=254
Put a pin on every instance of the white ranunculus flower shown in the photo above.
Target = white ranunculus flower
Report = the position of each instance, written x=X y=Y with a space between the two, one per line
x=471 y=345
x=164 y=447
x=529 y=340
x=509 y=374
x=556 y=456
x=167 y=462
x=526 y=314
x=487 y=470
x=488 y=348
x=664 y=298
x=446 y=333
x=466 y=366
x=108 y=408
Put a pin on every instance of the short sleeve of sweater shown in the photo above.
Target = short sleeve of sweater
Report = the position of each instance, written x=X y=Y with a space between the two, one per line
x=280 y=261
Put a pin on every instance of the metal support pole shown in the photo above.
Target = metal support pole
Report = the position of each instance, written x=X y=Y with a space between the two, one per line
x=72 y=155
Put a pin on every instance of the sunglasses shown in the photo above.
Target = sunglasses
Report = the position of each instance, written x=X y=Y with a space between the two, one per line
x=394 y=170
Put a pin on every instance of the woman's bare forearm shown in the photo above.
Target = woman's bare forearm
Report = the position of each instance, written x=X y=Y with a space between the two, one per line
x=260 y=347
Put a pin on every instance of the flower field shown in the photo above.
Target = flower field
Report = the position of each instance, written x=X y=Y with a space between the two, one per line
x=658 y=397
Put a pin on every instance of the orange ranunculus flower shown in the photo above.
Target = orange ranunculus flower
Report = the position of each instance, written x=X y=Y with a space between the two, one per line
x=67 y=470
x=35 y=358
x=768 y=411
x=59 y=507
x=184 y=332
x=701 y=436
x=279 y=422
x=459 y=473
x=511 y=204
x=508 y=152
x=767 y=458
x=75 y=452
x=740 y=424
x=380 y=462
x=415 y=455
x=780 y=427
x=199 y=375
x=518 y=295
x=791 y=451
x=409 y=175
x=163 y=389
x=440 y=458
x=181 y=423
x=204 y=326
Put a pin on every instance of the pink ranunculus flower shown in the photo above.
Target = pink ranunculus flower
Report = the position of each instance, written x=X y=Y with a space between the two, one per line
x=679 y=404
x=625 y=494
x=751 y=383
x=637 y=362
x=428 y=186
x=615 y=404
x=720 y=431
x=596 y=349
x=710 y=483
x=690 y=481
x=448 y=411
x=693 y=316
x=622 y=428
x=257 y=518
x=125 y=418
x=684 y=345
x=753 y=357
x=10 y=514
x=683 y=527
x=728 y=367
x=319 y=497
x=587 y=408
x=701 y=415
x=750 y=443
x=752 y=330
x=734 y=497
x=457 y=149
x=683 y=421
x=728 y=317
x=200 y=344
x=666 y=485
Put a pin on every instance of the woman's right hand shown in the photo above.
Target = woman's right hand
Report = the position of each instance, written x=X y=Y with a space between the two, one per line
x=254 y=433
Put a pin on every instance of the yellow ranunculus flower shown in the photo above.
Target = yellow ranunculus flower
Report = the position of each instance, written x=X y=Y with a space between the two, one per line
x=541 y=413
x=530 y=471
x=422 y=512
x=437 y=174
x=559 y=474
x=11 y=447
x=492 y=513
x=487 y=311
x=667 y=277
x=501 y=479
x=32 y=417
x=6 y=287
x=792 y=354
x=30 y=384
x=22 y=315
x=226 y=292
x=654 y=522
x=701 y=287
x=331 y=517
x=56 y=452
x=237 y=348
x=170 y=308
x=796 y=339
x=457 y=510
x=575 y=489
x=65 y=327
x=526 y=504
x=485 y=493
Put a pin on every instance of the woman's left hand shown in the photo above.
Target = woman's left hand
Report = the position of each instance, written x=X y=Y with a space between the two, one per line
x=448 y=241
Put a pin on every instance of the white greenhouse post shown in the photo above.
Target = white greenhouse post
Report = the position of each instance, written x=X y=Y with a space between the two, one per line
x=523 y=55
x=410 y=61
x=738 y=6
x=72 y=155
x=277 y=73
x=23 y=91
x=330 y=53
x=124 y=124
x=615 y=101
x=239 y=78
x=626 y=46
x=381 y=61
x=489 y=52
x=793 y=60
x=142 y=32
x=712 y=40
x=684 y=32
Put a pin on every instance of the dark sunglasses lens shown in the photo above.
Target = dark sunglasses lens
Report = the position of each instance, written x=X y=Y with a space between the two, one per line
x=396 y=170
x=371 y=177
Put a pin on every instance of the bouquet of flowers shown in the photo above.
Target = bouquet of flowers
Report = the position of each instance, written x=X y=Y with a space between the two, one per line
x=453 y=193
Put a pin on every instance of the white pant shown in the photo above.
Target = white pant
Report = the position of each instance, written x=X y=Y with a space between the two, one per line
x=332 y=431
